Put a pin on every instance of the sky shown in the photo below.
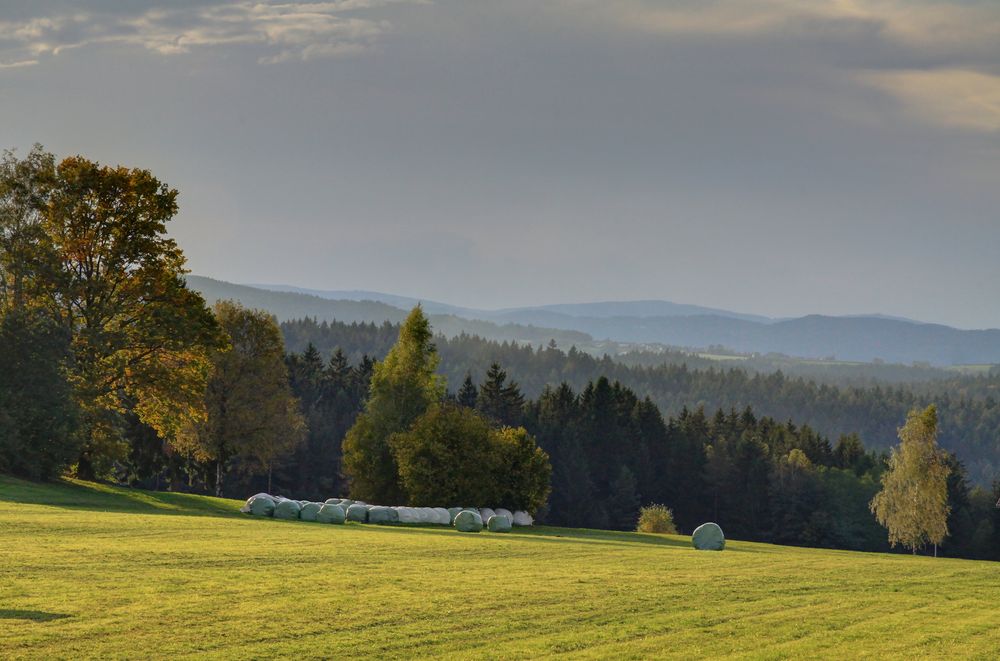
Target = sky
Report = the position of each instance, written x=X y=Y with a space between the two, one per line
x=766 y=156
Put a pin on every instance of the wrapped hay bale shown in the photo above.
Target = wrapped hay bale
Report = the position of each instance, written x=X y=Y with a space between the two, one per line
x=441 y=516
x=246 y=506
x=331 y=513
x=309 y=511
x=287 y=509
x=405 y=515
x=486 y=513
x=498 y=523
x=708 y=537
x=468 y=521
x=333 y=501
x=378 y=514
x=345 y=503
x=393 y=515
x=507 y=513
x=426 y=514
x=522 y=518
x=357 y=512
x=260 y=505
x=452 y=513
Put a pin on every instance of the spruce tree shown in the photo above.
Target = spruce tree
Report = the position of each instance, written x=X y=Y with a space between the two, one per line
x=403 y=387
x=468 y=394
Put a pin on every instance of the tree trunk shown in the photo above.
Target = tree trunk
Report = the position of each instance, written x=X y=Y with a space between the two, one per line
x=218 y=479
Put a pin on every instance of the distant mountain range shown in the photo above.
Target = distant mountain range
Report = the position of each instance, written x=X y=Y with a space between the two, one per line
x=853 y=338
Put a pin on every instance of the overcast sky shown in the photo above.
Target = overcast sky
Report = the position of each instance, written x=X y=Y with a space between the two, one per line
x=766 y=156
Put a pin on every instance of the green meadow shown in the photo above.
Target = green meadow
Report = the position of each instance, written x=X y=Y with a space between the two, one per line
x=94 y=571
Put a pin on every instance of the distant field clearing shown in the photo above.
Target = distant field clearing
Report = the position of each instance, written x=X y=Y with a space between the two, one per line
x=94 y=571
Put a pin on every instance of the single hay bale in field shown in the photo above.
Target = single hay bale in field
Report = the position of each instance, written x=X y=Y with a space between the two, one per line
x=309 y=511
x=287 y=509
x=486 y=513
x=260 y=505
x=507 y=513
x=331 y=513
x=357 y=512
x=378 y=514
x=441 y=516
x=452 y=513
x=708 y=537
x=498 y=523
x=522 y=518
x=468 y=521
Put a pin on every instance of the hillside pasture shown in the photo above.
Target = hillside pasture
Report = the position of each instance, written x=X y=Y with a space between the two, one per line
x=96 y=571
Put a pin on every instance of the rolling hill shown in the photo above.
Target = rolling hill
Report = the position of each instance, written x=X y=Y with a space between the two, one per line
x=115 y=573
x=863 y=338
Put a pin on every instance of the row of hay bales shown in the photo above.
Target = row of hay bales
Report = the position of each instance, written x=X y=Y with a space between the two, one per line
x=340 y=510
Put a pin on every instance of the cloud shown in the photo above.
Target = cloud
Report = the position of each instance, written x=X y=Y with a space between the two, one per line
x=288 y=30
x=939 y=60
x=952 y=97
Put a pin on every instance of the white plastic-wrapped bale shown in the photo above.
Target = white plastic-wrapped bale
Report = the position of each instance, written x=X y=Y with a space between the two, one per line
x=357 y=512
x=287 y=509
x=441 y=516
x=379 y=514
x=486 y=513
x=522 y=518
x=246 y=506
x=502 y=512
x=309 y=511
x=708 y=537
x=331 y=513
x=260 y=505
x=393 y=515
x=345 y=503
x=468 y=521
x=498 y=523
x=452 y=513
x=426 y=515
x=403 y=514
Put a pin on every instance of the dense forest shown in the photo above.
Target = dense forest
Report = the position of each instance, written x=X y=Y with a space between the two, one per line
x=969 y=406
x=612 y=451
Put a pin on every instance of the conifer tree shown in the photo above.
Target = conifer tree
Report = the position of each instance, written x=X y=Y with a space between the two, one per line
x=499 y=400
x=403 y=387
x=468 y=394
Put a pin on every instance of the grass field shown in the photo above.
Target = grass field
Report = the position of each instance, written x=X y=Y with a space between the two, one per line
x=89 y=570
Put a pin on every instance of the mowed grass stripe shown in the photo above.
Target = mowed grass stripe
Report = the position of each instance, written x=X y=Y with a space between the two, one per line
x=130 y=574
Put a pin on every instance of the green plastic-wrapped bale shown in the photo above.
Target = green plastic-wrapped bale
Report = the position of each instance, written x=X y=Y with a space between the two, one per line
x=357 y=513
x=309 y=511
x=331 y=513
x=708 y=537
x=498 y=523
x=261 y=506
x=452 y=513
x=468 y=521
x=287 y=509
x=333 y=501
x=378 y=514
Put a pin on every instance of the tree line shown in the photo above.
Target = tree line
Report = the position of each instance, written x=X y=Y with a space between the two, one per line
x=968 y=407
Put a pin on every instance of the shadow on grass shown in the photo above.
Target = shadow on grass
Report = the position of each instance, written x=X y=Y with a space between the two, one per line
x=34 y=616
x=97 y=497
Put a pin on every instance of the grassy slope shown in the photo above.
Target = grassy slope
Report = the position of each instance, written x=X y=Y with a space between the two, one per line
x=87 y=570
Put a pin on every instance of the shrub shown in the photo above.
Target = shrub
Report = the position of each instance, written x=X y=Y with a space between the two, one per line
x=656 y=518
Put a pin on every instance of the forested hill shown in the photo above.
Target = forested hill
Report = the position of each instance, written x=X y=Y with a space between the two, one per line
x=293 y=305
x=969 y=407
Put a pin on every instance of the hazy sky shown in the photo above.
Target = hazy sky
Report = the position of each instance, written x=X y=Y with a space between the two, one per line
x=767 y=156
